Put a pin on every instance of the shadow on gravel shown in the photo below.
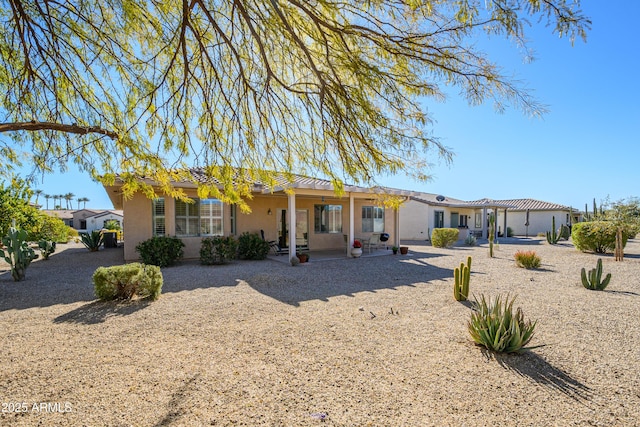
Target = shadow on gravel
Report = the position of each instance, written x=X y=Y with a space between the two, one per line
x=529 y=365
x=64 y=278
x=100 y=311
x=326 y=279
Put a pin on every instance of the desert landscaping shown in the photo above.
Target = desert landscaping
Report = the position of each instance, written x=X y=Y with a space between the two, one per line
x=374 y=341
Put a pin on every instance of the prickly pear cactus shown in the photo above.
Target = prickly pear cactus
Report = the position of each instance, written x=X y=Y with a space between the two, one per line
x=17 y=253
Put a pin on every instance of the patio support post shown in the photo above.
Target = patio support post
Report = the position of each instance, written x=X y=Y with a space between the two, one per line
x=396 y=227
x=504 y=227
x=292 y=225
x=350 y=238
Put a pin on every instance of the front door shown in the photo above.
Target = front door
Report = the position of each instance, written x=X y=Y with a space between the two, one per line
x=302 y=228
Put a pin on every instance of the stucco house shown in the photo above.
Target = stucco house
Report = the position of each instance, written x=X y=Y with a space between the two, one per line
x=99 y=220
x=304 y=214
x=425 y=211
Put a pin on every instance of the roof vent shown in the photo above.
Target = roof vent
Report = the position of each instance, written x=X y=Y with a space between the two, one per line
x=440 y=198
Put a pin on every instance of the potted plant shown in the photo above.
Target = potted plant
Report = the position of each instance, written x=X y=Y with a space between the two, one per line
x=395 y=250
x=303 y=257
x=356 y=251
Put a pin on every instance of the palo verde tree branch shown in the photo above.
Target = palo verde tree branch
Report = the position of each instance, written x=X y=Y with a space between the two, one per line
x=58 y=127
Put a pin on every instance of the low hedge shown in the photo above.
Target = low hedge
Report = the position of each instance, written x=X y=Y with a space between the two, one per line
x=444 y=237
x=251 y=246
x=127 y=281
x=162 y=251
x=218 y=250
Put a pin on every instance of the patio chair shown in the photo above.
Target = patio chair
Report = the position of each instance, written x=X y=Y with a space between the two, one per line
x=376 y=240
x=273 y=245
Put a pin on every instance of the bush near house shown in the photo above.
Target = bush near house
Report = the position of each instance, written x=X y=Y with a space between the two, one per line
x=162 y=251
x=597 y=236
x=251 y=246
x=444 y=237
x=49 y=228
x=127 y=281
x=218 y=250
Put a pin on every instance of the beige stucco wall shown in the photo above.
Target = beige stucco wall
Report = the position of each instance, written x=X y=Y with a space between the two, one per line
x=138 y=220
x=539 y=221
x=417 y=219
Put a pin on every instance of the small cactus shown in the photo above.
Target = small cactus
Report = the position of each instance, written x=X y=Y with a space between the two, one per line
x=492 y=234
x=553 y=236
x=47 y=247
x=592 y=280
x=462 y=277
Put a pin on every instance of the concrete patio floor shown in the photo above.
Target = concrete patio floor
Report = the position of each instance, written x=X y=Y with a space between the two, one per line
x=326 y=255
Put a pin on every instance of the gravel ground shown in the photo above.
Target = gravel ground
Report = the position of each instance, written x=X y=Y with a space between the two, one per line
x=374 y=341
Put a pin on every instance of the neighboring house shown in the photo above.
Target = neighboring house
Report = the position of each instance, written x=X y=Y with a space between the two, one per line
x=65 y=215
x=540 y=216
x=86 y=219
x=80 y=218
x=320 y=218
x=98 y=221
x=425 y=211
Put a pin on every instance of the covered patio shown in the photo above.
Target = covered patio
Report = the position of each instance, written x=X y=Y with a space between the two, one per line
x=331 y=254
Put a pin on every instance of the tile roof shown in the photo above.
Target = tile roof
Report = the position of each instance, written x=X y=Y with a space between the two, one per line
x=300 y=181
x=512 y=204
x=534 y=205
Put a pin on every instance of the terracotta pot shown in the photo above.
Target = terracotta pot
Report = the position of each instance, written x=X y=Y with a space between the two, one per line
x=404 y=250
x=303 y=258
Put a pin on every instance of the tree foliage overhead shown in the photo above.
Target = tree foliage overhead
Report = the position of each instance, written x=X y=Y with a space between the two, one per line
x=326 y=87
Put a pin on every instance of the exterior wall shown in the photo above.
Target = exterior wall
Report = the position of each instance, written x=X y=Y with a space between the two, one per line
x=138 y=221
x=539 y=221
x=137 y=225
x=417 y=220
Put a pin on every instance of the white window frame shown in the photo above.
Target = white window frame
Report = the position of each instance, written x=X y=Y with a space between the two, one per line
x=158 y=214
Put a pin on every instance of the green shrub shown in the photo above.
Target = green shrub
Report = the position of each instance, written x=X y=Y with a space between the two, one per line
x=251 y=246
x=509 y=232
x=495 y=326
x=92 y=241
x=72 y=233
x=527 y=259
x=218 y=250
x=597 y=236
x=444 y=237
x=127 y=281
x=162 y=251
x=50 y=228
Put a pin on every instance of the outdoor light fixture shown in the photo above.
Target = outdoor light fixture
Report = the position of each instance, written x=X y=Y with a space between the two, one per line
x=269 y=211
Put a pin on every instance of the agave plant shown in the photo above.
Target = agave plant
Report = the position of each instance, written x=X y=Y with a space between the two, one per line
x=92 y=240
x=495 y=326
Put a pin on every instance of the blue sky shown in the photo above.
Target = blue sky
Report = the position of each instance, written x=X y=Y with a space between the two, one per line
x=587 y=146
